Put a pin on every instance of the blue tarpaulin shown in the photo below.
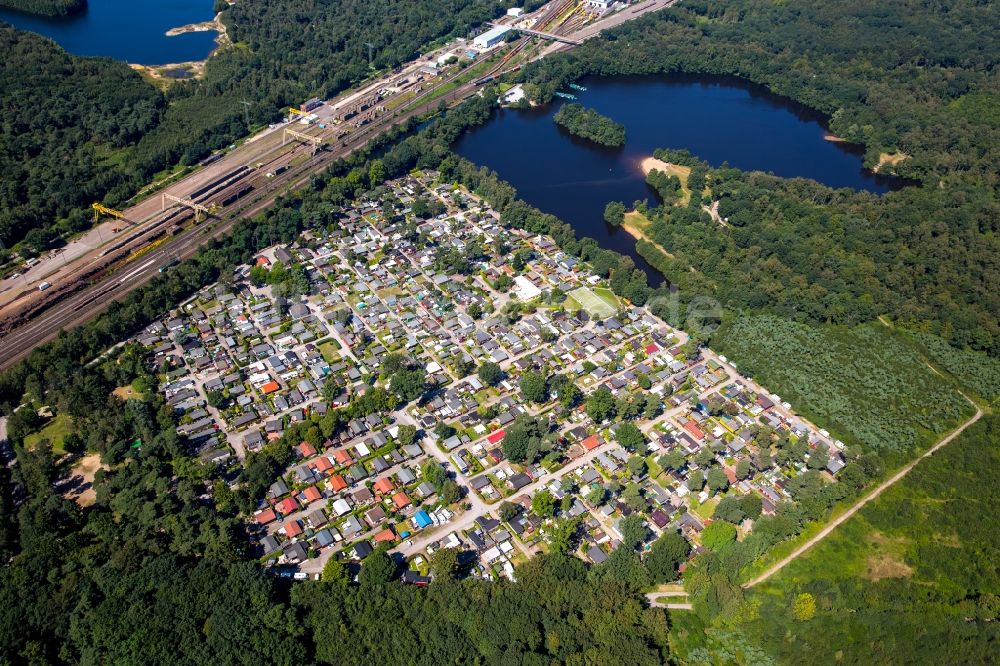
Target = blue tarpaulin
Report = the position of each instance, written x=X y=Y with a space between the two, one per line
x=422 y=519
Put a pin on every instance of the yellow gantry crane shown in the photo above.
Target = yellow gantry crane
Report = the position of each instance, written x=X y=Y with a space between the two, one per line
x=100 y=209
x=297 y=112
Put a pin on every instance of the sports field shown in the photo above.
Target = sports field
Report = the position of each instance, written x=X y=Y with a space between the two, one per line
x=595 y=306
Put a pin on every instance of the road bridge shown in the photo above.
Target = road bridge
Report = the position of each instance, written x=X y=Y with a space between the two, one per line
x=544 y=35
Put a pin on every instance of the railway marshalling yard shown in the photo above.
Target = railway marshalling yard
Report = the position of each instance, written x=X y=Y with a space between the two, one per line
x=104 y=264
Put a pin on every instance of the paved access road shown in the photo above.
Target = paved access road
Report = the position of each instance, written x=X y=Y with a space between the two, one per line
x=468 y=518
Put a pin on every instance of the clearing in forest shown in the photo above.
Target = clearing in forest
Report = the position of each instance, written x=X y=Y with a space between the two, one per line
x=79 y=486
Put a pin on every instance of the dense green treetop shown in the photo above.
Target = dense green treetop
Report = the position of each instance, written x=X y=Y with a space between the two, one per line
x=589 y=124
x=62 y=117
x=46 y=7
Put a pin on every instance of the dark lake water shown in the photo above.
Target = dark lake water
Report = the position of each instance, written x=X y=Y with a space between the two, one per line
x=719 y=120
x=127 y=30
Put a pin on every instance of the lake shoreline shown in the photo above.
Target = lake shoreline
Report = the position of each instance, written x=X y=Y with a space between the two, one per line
x=161 y=74
x=721 y=121
x=154 y=34
x=649 y=164
x=203 y=26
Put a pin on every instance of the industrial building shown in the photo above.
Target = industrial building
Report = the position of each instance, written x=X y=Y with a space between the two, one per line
x=310 y=104
x=491 y=37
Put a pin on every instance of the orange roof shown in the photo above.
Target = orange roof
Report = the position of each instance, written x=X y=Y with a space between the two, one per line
x=695 y=431
x=322 y=464
x=384 y=485
x=342 y=457
x=262 y=261
x=401 y=500
x=730 y=474
x=306 y=450
x=385 y=535
x=292 y=528
x=591 y=442
x=266 y=516
x=337 y=483
x=270 y=387
x=312 y=494
x=287 y=505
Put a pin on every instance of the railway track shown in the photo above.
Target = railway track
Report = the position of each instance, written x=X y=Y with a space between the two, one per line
x=92 y=288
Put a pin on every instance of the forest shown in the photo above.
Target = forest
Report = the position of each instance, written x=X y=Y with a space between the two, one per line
x=111 y=132
x=67 y=122
x=589 y=124
x=899 y=78
x=175 y=566
x=46 y=7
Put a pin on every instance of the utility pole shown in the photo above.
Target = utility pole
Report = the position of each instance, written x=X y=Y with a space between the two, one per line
x=246 y=112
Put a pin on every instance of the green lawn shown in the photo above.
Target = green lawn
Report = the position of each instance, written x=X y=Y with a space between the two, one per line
x=55 y=431
x=654 y=467
x=571 y=304
x=596 y=305
x=330 y=351
x=706 y=510
x=608 y=297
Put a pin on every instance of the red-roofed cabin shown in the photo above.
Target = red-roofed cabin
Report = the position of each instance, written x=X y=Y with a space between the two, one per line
x=263 y=261
x=292 y=528
x=496 y=437
x=342 y=457
x=306 y=450
x=287 y=506
x=337 y=483
x=312 y=494
x=266 y=516
x=652 y=349
x=695 y=431
x=270 y=387
x=591 y=443
x=386 y=535
x=384 y=486
x=322 y=464
x=401 y=500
